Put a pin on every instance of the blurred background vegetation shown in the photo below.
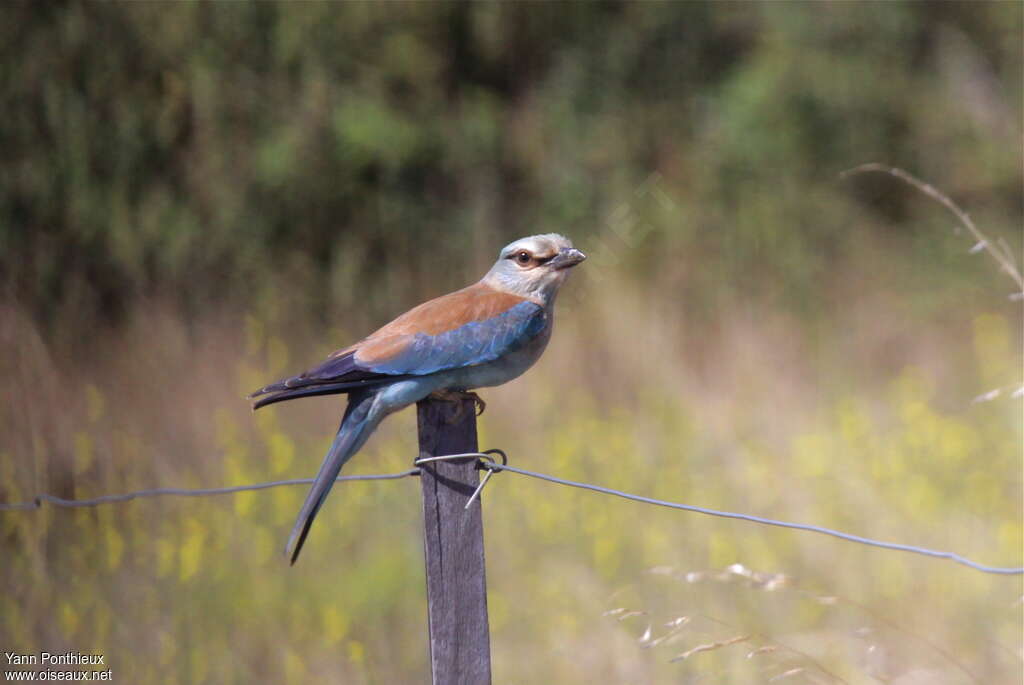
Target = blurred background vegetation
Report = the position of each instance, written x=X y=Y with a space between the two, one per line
x=196 y=198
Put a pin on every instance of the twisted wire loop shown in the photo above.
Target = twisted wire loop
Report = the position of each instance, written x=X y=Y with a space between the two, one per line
x=486 y=461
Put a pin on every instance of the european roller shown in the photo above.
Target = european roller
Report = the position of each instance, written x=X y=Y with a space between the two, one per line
x=481 y=336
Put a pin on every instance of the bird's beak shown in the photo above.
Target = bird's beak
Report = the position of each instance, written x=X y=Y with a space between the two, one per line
x=566 y=258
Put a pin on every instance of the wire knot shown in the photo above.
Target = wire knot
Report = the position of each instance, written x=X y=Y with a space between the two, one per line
x=484 y=462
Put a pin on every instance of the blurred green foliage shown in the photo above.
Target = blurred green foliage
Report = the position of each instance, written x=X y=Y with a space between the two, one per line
x=196 y=198
x=209 y=151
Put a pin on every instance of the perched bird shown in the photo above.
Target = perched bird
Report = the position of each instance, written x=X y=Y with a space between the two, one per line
x=483 y=335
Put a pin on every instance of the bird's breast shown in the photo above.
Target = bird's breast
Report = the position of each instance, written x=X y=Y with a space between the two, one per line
x=505 y=368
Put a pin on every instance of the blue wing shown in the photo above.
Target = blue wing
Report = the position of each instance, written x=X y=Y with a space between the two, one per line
x=472 y=343
x=396 y=352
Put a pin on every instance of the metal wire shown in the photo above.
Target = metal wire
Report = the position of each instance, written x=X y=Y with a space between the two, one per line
x=769 y=522
x=488 y=463
x=38 y=500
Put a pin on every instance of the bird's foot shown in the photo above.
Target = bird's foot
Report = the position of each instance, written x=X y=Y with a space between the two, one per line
x=457 y=396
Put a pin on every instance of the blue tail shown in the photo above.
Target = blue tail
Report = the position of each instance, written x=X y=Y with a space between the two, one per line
x=354 y=430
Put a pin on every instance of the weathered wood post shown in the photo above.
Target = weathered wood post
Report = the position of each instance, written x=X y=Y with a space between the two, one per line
x=453 y=543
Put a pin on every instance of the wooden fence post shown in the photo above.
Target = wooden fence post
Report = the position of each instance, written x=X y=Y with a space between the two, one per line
x=453 y=543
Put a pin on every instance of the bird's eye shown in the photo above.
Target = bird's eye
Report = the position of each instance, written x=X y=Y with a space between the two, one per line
x=523 y=257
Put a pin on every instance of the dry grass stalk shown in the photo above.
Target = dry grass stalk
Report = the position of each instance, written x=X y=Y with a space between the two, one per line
x=999 y=250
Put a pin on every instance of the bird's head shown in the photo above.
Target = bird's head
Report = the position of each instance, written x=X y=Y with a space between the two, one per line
x=534 y=267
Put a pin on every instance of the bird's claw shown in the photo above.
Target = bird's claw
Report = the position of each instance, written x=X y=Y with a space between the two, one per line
x=478 y=402
x=457 y=396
